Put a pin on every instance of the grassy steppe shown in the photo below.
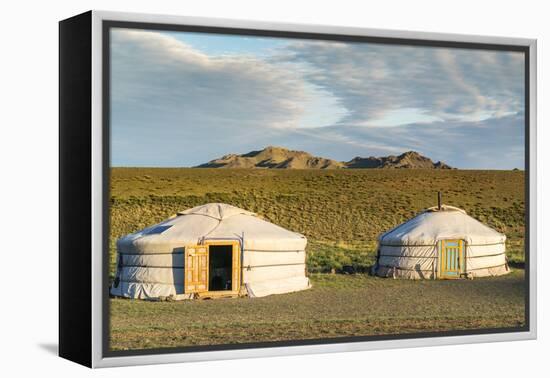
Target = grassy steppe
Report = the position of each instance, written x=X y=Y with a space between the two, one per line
x=336 y=306
x=341 y=212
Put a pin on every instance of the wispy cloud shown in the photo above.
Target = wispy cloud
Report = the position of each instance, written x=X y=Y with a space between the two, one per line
x=176 y=105
x=495 y=143
x=170 y=100
x=373 y=80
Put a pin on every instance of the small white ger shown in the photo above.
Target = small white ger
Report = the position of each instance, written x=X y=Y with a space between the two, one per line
x=442 y=242
x=213 y=250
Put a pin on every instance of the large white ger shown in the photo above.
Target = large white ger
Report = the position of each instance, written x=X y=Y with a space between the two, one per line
x=207 y=251
x=440 y=243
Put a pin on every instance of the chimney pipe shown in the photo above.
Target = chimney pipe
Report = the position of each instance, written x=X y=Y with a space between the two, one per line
x=439 y=201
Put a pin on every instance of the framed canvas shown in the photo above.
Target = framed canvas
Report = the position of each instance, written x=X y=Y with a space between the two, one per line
x=234 y=189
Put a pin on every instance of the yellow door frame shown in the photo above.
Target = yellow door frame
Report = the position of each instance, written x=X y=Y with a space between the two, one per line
x=236 y=264
x=235 y=274
x=451 y=258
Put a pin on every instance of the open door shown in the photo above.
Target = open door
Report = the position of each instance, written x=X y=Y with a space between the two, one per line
x=224 y=262
x=451 y=258
x=196 y=269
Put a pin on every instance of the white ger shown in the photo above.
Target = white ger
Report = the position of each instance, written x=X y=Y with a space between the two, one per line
x=440 y=243
x=210 y=251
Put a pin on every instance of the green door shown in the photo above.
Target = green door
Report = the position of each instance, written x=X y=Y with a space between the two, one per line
x=450 y=258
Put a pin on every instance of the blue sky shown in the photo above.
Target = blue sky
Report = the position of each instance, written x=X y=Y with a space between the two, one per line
x=182 y=99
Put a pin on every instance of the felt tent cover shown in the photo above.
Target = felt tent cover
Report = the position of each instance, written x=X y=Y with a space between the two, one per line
x=433 y=225
x=151 y=261
x=410 y=250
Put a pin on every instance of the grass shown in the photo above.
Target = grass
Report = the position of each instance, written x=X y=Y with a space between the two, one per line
x=341 y=212
x=336 y=306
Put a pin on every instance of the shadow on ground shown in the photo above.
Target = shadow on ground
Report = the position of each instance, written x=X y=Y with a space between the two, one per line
x=51 y=348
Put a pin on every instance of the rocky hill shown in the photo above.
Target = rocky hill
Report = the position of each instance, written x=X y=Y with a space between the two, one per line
x=282 y=158
x=410 y=159
x=273 y=157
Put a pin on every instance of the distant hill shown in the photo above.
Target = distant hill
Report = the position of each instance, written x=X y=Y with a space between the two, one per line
x=410 y=159
x=273 y=157
x=282 y=158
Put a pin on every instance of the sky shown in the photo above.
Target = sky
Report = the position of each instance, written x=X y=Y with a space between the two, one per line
x=181 y=99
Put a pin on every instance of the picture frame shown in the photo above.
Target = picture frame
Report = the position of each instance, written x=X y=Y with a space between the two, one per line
x=85 y=150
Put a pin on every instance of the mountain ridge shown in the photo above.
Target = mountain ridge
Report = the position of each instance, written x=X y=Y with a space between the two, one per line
x=273 y=157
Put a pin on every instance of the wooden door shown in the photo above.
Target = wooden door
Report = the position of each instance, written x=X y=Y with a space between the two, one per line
x=196 y=269
x=450 y=258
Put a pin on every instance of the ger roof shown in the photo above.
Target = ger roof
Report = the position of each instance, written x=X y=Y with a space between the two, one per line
x=435 y=224
x=217 y=211
x=211 y=221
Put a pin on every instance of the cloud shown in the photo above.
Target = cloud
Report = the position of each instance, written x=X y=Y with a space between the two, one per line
x=174 y=105
x=161 y=73
x=169 y=99
x=375 y=81
x=495 y=143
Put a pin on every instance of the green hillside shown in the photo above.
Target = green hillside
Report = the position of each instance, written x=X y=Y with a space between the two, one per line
x=340 y=211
